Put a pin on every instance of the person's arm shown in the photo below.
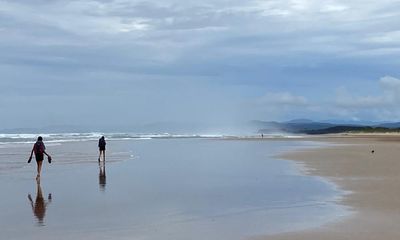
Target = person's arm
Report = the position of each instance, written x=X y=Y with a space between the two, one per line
x=44 y=151
x=30 y=199
x=30 y=157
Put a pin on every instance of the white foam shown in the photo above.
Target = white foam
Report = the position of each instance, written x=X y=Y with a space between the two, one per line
x=29 y=138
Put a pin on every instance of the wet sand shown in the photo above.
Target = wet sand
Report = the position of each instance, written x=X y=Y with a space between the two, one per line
x=372 y=181
x=161 y=189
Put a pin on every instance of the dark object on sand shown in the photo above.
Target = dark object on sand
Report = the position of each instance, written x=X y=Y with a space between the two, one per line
x=373 y=151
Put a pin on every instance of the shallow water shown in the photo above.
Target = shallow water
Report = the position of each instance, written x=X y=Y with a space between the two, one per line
x=161 y=189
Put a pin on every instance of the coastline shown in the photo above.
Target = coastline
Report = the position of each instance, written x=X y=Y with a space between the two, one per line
x=371 y=180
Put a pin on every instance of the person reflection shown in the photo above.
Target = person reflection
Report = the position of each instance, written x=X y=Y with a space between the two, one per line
x=40 y=205
x=102 y=175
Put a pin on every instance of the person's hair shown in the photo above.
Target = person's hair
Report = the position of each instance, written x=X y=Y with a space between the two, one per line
x=40 y=138
x=102 y=137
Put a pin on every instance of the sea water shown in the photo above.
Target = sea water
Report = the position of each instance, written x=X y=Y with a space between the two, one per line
x=161 y=188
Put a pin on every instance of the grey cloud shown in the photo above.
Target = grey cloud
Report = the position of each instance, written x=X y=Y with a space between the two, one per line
x=232 y=51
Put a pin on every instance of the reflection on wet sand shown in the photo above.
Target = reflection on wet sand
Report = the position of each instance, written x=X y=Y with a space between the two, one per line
x=40 y=205
x=102 y=175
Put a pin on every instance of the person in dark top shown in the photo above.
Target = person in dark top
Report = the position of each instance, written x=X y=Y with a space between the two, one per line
x=102 y=148
x=40 y=150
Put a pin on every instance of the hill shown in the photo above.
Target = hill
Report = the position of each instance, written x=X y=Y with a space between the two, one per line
x=305 y=126
x=357 y=129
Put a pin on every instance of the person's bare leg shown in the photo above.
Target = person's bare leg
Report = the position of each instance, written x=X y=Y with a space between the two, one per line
x=39 y=169
x=99 y=155
x=104 y=155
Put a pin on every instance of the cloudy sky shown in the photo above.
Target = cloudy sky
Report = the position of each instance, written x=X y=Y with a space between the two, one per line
x=123 y=62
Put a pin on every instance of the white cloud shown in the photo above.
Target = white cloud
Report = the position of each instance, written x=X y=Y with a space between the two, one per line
x=276 y=105
x=334 y=8
x=388 y=96
x=381 y=106
x=390 y=84
x=344 y=99
x=384 y=37
x=279 y=99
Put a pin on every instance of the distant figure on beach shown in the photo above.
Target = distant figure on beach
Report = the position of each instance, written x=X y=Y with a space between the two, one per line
x=39 y=149
x=40 y=205
x=102 y=176
x=102 y=148
x=262 y=135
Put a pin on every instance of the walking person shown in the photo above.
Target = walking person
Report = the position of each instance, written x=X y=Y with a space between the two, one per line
x=40 y=150
x=102 y=148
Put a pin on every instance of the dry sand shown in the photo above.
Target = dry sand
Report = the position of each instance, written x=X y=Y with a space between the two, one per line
x=373 y=182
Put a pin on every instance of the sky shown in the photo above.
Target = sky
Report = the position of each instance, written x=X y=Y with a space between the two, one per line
x=211 y=62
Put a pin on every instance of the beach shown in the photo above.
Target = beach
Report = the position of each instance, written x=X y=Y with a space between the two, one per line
x=319 y=187
x=371 y=181
x=168 y=188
